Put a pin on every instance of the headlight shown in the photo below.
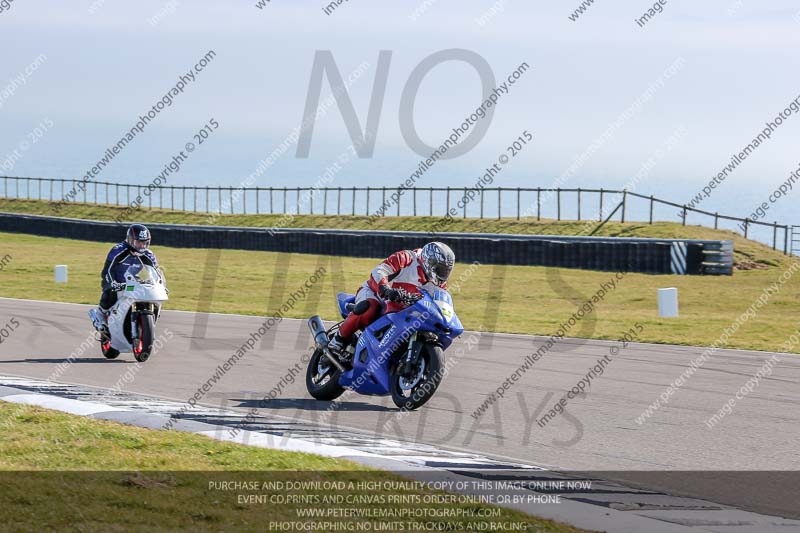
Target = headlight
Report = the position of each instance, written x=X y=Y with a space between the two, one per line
x=447 y=310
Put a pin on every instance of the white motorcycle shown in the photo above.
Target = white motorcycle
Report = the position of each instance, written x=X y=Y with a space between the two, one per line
x=131 y=321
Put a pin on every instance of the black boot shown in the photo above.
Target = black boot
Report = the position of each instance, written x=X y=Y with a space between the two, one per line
x=336 y=344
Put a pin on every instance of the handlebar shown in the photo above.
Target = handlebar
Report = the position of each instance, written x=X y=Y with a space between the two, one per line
x=407 y=298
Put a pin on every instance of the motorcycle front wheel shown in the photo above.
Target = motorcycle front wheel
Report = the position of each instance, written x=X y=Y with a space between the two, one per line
x=322 y=378
x=411 y=391
x=144 y=344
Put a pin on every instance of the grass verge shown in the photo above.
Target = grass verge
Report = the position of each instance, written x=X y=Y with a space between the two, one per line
x=515 y=299
x=64 y=472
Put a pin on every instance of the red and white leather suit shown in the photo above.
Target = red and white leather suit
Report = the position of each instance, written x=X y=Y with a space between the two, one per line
x=402 y=269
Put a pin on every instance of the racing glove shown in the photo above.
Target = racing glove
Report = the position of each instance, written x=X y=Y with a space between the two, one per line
x=390 y=294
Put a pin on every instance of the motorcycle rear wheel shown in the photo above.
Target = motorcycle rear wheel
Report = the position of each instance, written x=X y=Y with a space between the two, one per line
x=108 y=351
x=322 y=378
x=412 y=393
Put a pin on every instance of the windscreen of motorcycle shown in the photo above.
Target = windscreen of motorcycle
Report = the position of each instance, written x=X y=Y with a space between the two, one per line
x=444 y=302
x=144 y=274
x=145 y=283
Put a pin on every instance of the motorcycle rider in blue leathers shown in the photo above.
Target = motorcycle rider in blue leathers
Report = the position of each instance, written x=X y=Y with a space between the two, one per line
x=132 y=251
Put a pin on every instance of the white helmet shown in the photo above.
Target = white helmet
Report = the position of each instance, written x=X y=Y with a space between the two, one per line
x=437 y=261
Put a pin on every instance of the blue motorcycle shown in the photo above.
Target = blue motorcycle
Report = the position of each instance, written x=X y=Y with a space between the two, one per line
x=401 y=353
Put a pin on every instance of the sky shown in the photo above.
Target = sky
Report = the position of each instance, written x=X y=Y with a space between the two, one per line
x=105 y=63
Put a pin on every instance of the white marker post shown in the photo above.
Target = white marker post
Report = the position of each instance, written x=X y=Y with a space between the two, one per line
x=668 y=302
x=61 y=273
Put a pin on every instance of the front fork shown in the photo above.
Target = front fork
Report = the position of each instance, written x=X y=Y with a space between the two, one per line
x=140 y=309
x=412 y=354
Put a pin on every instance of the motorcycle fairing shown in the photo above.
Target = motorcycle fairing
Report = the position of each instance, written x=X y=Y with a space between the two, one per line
x=377 y=348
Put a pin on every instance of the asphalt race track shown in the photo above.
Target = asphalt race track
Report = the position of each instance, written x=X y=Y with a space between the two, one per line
x=599 y=431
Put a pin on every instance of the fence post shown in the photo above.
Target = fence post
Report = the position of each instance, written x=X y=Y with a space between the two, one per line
x=366 y=211
x=311 y=192
x=339 y=202
x=786 y=239
x=383 y=201
x=579 y=203
x=183 y=198
x=284 y=201
x=51 y=190
x=775 y=235
x=414 y=199
x=651 y=209
x=600 y=218
x=447 y=205
x=230 y=199
x=40 y=190
x=538 y=203
x=270 y=200
x=746 y=222
x=624 y=203
x=258 y=210
x=430 y=198
x=716 y=220
x=684 y=214
x=558 y=196
x=172 y=197
x=398 y=201
x=325 y=201
x=84 y=191
x=499 y=203
x=465 y=203
x=354 y=200
x=518 y=198
x=149 y=200
x=297 y=198
x=482 y=204
x=244 y=200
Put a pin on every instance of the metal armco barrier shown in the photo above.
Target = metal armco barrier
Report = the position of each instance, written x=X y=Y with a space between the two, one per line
x=652 y=256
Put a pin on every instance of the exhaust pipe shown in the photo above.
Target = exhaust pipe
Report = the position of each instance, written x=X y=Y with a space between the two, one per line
x=321 y=339
x=318 y=331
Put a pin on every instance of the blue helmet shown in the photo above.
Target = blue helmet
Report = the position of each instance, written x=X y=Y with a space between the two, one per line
x=437 y=261
x=138 y=238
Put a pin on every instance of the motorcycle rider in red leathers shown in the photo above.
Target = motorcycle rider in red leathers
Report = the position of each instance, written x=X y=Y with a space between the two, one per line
x=409 y=270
